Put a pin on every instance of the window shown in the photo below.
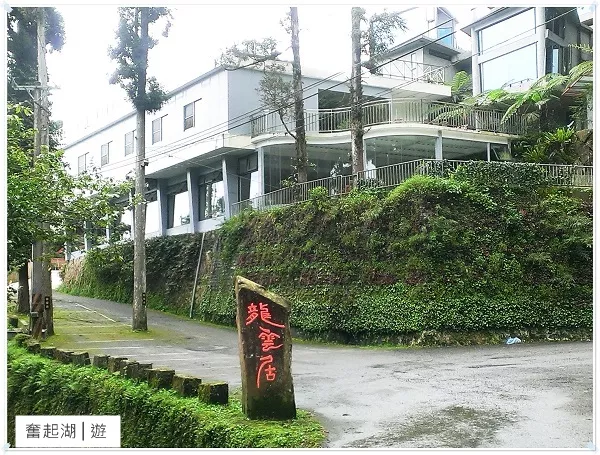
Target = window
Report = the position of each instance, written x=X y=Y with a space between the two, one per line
x=188 y=116
x=104 y=150
x=446 y=34
x=515 y=67
x=212 y=196
x=157 y=130
x=82 y=164
x=248 y=163
x=129 y=142
x=518 y=26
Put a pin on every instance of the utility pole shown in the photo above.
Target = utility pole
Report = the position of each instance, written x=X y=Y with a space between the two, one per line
x=41 y=286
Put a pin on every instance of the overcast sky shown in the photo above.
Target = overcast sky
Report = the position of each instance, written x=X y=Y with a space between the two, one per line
x=198 y=35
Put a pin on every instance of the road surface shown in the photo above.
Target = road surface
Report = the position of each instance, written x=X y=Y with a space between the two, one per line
x=516 y=396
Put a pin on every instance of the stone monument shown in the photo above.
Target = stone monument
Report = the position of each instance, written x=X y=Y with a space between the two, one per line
x=265 y=344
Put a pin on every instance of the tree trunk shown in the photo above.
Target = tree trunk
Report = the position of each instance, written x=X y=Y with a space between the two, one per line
x=41 y=285
x=356 y=119
x=301 y=153
x=139 y=318
x=23 y=293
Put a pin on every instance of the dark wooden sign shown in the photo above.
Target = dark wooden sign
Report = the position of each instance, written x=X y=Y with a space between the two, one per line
x=265 y=346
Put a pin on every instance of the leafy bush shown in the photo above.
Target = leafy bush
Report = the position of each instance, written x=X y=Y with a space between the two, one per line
x=149 y=417
x=491 y=247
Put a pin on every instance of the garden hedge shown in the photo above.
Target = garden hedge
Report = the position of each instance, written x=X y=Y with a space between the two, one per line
x=149 y=417
x=490 y=247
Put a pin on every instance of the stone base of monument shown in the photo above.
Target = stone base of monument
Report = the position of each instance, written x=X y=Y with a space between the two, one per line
x=186 y=386
x=80 y=358
x=214 y=392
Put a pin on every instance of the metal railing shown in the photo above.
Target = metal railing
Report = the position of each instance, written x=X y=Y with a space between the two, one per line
x=412 y=71
x=394 y=111
x=395 y=174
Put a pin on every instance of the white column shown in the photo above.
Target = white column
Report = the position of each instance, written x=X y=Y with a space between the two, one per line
x=87 y=241
x=438 y=146
x=540 y=18
x=192 y=185
x=230 y=184
x=161 y=198
x=261 y=170
x=489 y=151
x=476 y=77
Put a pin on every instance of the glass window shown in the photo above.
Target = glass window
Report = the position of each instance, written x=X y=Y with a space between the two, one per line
x=104 y=154
x=157 y=130
x=518 y=26
x=188 y=116
x=179 y=209
x=512 y=68
x=446 y=34
x=82 y=163
x=129 y=141
x=248 y=186
x=212 y=199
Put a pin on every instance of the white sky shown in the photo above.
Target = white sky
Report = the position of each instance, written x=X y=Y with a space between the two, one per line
x=198 y=35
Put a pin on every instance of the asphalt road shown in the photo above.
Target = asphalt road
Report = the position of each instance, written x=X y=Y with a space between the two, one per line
x=517 y=396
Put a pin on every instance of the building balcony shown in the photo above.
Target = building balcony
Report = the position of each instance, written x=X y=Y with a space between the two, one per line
x=411 y=71
x=390 y=111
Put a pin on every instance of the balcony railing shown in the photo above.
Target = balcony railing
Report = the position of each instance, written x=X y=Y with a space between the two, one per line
x=394 y=111
x=395 y=174
x=411 y=71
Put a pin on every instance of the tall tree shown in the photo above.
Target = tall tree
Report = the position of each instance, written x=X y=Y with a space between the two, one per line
x=284 y=97
x=22 y=72
x=300 y=139
x=373 y=42
x=46 y=192
x=131 y=55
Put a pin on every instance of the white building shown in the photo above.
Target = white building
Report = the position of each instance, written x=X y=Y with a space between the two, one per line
x=212 y=145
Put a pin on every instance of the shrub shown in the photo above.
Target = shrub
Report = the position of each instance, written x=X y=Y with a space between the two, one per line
x=149 y=417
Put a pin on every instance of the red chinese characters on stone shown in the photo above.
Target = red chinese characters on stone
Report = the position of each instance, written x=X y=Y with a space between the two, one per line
x=267 y=337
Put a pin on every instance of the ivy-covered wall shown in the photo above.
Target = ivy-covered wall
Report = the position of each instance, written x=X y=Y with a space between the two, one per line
x=492 y=247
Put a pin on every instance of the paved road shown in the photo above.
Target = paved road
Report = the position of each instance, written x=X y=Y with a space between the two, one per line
x=518 y=396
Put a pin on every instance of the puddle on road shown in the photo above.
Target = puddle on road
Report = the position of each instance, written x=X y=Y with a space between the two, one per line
x=451 y=427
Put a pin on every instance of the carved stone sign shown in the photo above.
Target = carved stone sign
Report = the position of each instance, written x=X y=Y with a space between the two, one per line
x=265 y=352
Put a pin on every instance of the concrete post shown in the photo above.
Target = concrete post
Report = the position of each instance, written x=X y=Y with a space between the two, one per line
x=161 y=198
x=438 y=146
x=475 y=70
x=540 y=18
x=230 y=184
x=87 y=241
x=261 y=170
x=192 y=185
x=489 y=151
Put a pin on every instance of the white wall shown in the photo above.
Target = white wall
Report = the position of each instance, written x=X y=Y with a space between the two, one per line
x=210 y=110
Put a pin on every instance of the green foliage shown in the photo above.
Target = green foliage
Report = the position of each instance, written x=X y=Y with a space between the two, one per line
x=379 y=36
x=149 y=417
x=461 y=86
x=491 y=246
x=131 y=56
x=41 y=190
